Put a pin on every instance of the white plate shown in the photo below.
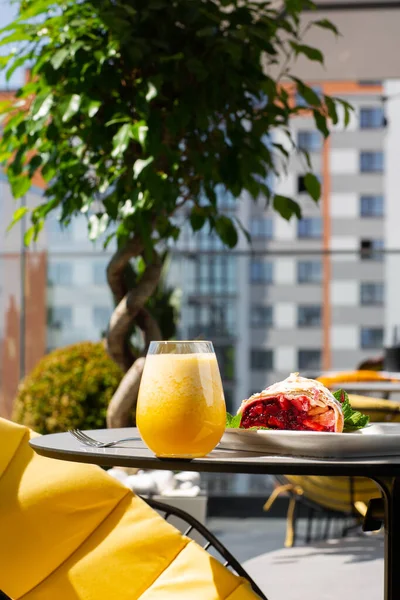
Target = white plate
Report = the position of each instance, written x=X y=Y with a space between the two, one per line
x=377 y=439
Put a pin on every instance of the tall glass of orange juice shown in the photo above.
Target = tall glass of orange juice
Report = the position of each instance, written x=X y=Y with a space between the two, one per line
x=181 y=406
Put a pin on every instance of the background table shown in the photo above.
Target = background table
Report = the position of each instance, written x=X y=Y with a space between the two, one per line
x=384 y=471
x=377 y=387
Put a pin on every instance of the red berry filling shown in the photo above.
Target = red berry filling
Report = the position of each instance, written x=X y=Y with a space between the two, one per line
x=283 y=413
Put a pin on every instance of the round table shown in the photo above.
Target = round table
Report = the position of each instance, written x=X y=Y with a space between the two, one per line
x=385 y=471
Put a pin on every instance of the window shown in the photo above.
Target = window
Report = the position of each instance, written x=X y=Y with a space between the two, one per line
x=226 y=361
x=59 y=317
x=371 y=337
x=371 y=206
x=261 y=316
x=261 y=360
x=309 y=271
x=309 y=316
x=225 y=199
x=311 y=141
x=100 y=273
x=301 y=186
x=214 y=274
x=369 y=82
x=101 y=317
x=261 y=228
x=208 y=240
x=371 y=249
x=57 y=233
x=310 y=227
x=59 y=273
x=371 y=162
x=371 y=293
x=309 y=359
x=261 y=271
x=372 y=117
x=211 y=318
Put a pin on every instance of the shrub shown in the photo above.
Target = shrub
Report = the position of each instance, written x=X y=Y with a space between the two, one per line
x=70 y=387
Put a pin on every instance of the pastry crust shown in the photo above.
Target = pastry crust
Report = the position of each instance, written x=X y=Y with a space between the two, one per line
x=320 y=398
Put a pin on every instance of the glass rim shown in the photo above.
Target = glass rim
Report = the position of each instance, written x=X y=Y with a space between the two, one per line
x=181 y=347
x=181 y=342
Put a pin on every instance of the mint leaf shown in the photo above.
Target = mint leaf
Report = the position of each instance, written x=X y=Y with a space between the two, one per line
x=353 y=419
x=233 y=421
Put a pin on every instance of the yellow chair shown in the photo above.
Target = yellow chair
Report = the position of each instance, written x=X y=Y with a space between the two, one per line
x=71 y=532
x=346 y=495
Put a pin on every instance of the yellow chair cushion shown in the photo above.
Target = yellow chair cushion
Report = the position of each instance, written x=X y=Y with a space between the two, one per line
x=74 y=533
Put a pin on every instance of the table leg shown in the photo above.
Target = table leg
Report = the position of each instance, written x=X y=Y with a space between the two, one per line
x=391 y=516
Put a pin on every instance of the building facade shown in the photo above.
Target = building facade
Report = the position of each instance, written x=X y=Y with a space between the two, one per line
x=308 y=295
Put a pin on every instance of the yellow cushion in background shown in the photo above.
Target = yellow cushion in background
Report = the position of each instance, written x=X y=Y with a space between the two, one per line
x=70 y=532
x=334 y=493
x=378 y=409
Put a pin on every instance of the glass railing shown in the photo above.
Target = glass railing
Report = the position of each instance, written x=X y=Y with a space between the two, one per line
x=260 y=330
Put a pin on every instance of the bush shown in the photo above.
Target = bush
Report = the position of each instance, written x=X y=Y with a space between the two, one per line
x=70 y=387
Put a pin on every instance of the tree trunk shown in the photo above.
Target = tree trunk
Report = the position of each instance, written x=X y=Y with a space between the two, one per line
x=129 y=313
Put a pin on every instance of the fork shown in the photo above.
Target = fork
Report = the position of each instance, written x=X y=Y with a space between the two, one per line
x=93 y=443
x=89 y=441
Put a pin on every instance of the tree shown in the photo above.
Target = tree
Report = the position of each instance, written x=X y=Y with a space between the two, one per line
x=138 y=110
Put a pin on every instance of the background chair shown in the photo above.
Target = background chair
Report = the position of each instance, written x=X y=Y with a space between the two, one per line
x=329 y=501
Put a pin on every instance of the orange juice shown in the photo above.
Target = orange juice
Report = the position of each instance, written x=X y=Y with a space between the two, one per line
x=181 y=406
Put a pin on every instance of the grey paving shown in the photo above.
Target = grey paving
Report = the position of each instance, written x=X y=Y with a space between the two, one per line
x=247 y=538
x=349 y=568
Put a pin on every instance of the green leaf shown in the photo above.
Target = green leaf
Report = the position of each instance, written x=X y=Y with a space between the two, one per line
x=353 y=419
x=197 y=219
x=313 y=186
x=227 y=231
x=152 y=92
x=139 y=132
x=326 y=24
x=141 y=164
x=286 y=207
x=59 y=57
x=18 y=215
x=29 y=235
x=72 y=107
x=320 y=122
x=93 y=107
x=17 y=63
x=348 y=109
x=331 y=108
x=20 y=186
x=97 y=225
x=306 y=92
x=41 y=106
x=121 y=140
x=308 y=51
x=233 y=421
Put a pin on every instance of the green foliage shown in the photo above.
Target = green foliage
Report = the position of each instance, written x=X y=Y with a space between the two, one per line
x=145 y=105
x=70 y=387
x=353 y=419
